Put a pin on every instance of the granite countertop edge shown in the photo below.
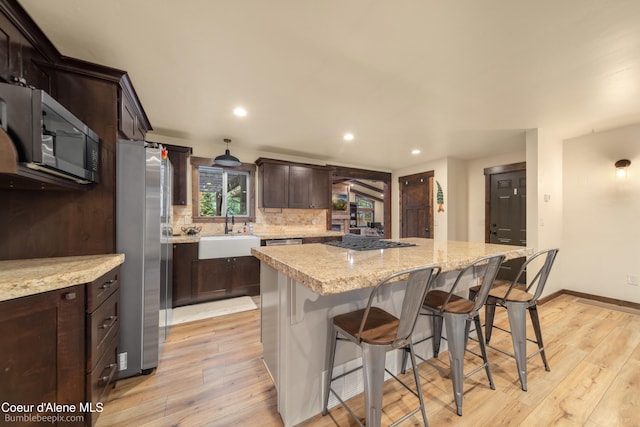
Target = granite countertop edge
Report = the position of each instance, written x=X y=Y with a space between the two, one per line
x=345 y=275
x=262 y=236
x=25 y=277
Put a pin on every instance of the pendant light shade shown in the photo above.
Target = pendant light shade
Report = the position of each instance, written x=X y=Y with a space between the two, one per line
x=227 y=159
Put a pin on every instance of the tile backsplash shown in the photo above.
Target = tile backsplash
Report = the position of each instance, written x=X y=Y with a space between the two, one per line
x=266 y=222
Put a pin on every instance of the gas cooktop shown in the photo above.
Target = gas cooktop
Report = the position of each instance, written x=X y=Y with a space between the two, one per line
x=368 y=244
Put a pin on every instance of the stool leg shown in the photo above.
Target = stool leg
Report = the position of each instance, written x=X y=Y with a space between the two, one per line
x=455 y=325
x=373 y=359
x=489 y=314
x=517 y=323
x=416 y=376
x=403 y=367
x=535 y=321
x=483 y=350
x=437 y=334
x=331 y=356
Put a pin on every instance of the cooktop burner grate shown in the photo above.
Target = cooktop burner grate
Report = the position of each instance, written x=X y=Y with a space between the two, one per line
x=368 y=244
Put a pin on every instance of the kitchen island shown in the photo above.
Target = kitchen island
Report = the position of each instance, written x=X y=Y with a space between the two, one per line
x=302 y=287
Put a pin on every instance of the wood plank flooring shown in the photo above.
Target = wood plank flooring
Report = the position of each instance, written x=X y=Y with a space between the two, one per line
x=211 y=374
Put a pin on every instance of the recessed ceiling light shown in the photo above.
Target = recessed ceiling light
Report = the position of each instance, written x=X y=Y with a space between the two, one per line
x=239 y=111
x=348 y=137
x=416 y=151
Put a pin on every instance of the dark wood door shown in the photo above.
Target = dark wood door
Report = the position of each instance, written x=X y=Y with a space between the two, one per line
x=416 y=205
x=508 y=214
x=508 y=221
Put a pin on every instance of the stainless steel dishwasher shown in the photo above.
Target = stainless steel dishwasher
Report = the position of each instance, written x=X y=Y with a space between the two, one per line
x=276 y=242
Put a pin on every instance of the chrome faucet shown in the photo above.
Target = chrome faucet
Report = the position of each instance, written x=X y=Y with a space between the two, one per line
x=228 y=229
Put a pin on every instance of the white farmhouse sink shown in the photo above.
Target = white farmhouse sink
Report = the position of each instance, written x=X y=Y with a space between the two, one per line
x=227 y=245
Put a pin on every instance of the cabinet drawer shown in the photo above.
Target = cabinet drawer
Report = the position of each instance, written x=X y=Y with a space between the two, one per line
x=103 y=324
x=102 y=377
x=101 y=288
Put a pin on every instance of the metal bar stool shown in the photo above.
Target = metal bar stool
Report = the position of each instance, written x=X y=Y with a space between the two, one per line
x=376 y=331
x=457 y=313
x=517 y=298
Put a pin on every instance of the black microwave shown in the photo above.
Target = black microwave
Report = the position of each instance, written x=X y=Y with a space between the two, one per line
x=47 y=136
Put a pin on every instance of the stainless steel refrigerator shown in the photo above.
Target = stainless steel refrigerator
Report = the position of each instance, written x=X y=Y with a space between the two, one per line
x=143 y=205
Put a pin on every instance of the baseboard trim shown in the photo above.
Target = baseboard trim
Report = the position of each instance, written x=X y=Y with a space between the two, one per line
x=629 y=304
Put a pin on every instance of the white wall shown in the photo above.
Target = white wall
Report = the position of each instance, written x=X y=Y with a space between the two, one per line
x=457 y=205
x=601 y=215
x=545 y=203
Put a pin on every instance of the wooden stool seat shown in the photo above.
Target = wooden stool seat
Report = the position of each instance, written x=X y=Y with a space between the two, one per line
x=458 y=305
x=381 y=328
x=517 y=294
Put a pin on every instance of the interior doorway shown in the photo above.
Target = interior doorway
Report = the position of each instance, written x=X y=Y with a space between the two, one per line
x=506 y=211
x=416 y=205
x=375 y=180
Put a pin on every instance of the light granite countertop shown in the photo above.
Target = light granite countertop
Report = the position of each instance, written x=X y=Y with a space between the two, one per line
x=327 y=269
x=24 y=277
x=263 y=236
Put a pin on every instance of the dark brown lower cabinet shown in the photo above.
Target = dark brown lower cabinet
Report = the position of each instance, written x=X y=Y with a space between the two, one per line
x=185 y=257
x=199 y=280
x=60 y=347
x=43 y=356
x=103 y=338
x=225 y=277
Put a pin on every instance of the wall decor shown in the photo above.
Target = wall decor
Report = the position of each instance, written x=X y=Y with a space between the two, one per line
x=440 y=198
x=340 y=202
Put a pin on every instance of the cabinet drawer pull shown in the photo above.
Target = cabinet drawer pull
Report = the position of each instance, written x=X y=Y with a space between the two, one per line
x=112 y=369
x=109 y=322
x=70 y=296
x=108 y=284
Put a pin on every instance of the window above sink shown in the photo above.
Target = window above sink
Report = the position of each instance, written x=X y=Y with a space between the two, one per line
x=218 y=190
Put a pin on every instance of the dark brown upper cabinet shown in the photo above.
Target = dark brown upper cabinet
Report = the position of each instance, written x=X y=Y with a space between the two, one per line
x=179 y=157
x=293 y=185
x=133 y=122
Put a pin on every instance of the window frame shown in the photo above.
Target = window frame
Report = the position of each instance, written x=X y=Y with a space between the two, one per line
x=196 y=162
x=359 y=209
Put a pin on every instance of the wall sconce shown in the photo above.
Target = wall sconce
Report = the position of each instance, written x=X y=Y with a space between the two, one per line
x=621 y=166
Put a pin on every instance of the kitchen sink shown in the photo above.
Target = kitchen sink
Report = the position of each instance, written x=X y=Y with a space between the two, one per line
x=228 y=245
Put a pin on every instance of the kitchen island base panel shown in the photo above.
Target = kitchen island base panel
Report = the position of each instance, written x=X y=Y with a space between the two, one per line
x=295 y=323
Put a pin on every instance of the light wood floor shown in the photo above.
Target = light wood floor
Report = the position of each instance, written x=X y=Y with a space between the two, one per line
x=211 y=374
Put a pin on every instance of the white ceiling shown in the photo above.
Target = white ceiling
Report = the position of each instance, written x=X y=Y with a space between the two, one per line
x=461 y=78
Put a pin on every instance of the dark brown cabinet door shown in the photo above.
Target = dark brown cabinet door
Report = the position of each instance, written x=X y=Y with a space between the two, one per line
x=133 y=122
x=219 y=278
x=43 y=355
x=320 y=190
x=274 y=185
x=299 y=186
x=309 y=188
x=185 y=255
x=213 y=278
x=245 y=275
x=179 y=157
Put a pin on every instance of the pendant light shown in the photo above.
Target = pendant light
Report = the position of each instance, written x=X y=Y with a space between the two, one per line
x=227 y=159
